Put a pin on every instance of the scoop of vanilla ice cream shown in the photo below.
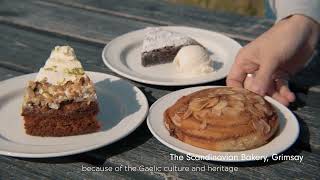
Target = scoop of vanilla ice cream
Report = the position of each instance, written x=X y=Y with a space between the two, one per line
x=193 y=60
x=62 y=66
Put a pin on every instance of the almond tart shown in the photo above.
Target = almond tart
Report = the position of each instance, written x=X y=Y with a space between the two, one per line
x=222 y=119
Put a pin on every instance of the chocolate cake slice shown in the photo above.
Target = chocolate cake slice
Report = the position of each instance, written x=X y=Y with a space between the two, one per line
x=61 y=101
x=161 y=46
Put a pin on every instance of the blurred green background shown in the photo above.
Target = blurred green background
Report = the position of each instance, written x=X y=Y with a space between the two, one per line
x=241 y=7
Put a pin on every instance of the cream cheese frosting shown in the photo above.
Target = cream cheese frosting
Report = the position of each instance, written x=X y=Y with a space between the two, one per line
x=62 y=66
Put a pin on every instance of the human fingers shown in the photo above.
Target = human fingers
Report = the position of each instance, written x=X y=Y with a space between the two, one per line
x=284 y=91
x=239 y=71
x=263 y=79
x=277 y=96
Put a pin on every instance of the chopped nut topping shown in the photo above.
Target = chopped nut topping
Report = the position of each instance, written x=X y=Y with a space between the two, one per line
x=45 y=94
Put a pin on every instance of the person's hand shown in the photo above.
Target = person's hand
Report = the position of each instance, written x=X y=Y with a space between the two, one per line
x=274 y=56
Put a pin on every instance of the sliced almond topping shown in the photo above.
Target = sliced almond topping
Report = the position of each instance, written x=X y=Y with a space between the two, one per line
x=176 y=120
x=231 y=111
x=261 y=126
x=240 y=90
x=223 y=91
x=264 y=108
x=197 y=116
x=260 y=100
x=212 y=102
x=229 y=92
x=216 y=112
x=220 y=105
x=211 y=95
x=237 y=104
x=257 y=99
x=254 y=111
x=260 y=107
x=238 y=97
x=217 y=109
x=203 y=125
x=187 y=114
x=198 y=104
x=182 y=109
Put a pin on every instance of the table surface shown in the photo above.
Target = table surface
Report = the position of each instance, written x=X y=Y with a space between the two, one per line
x=30 y=29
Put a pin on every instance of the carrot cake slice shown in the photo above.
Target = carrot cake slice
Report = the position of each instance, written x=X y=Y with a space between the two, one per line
x=62 y=100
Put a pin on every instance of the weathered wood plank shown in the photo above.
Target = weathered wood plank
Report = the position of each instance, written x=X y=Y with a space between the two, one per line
x=306 y=86
x=57 y=168
x=140 y=149
x=66 y=21
x=34 y=48
x=21 y=47
x=309 y=119
x=165 y=13
x=149 y=152
x=99 y=27
x=26 y=51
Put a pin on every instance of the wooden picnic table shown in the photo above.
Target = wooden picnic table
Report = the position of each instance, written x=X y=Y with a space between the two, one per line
x=30 y=29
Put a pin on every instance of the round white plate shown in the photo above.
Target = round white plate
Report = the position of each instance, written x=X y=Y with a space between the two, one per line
x=123 y=56
x=287 y=134
x=123 y=107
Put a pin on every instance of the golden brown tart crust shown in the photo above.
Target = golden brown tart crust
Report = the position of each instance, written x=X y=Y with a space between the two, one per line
x=222 y=119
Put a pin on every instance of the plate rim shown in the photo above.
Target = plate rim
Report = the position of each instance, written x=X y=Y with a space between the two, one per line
x=181 y=150
x=85 y=148
x=161 y=83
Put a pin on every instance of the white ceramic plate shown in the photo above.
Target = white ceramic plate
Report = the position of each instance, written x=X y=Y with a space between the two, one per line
x=287 y=134
x=123 y=107
x=123 y=56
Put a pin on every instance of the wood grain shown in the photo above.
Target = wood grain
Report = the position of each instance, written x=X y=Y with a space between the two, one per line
x=54 y=168
x=164 y=13
x=32 y=56
x=31 y=49
x=140 y=149
x=66 y=21
x=149 y=152
x=94 y=24
x=30 y=29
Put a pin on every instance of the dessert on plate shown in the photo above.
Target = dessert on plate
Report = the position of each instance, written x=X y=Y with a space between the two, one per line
x=193 y=60
x=161 y=46
x=188 y=56
x=222 y=119
x=62 y=100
